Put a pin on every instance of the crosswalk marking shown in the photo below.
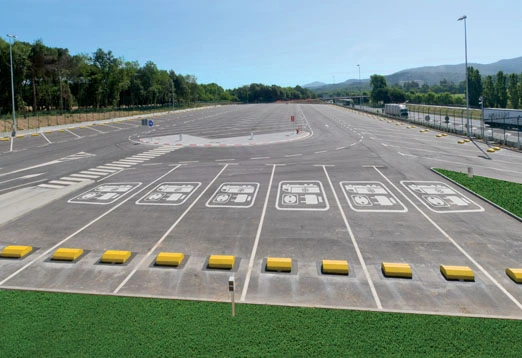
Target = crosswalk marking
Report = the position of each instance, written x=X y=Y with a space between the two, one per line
x=92 y=173
x=85 y=176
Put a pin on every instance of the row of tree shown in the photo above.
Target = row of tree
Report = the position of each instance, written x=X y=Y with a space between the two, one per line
x=47 y=78
x=499 y=91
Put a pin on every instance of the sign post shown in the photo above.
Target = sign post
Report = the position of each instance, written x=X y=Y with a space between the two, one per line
x=231 y=281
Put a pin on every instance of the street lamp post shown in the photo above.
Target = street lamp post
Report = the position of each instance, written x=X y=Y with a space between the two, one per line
x=464 y=17
x=12 y=82
x=360 y=87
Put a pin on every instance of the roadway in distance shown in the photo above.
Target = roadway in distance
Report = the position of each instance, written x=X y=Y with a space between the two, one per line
x=241 y=181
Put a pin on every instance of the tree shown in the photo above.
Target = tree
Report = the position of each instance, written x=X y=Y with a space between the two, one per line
x=379 y=89
x=501 y=94
x=474 y=86
x=488 y=93
x=514 y=90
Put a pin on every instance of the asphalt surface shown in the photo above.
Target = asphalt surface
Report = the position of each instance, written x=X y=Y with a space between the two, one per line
x=247 y=181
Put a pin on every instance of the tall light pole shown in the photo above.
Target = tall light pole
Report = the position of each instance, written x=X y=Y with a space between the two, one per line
x=360 y=87
x=464 y=17
x=12 y=82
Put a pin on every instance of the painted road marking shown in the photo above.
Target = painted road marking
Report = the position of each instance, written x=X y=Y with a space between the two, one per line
x=371 y=196
x=153 y=249
x=104 y=194
x=115 y=164
x=46 y=252
x=355 y=245
x=234 y=195
x=440 y=198
x=450 y=239
x=50 y=186
x=88 y=172
x=258 y=235
x=63 y=182
x=169 y=193
x=257 y=158
x=85 y=176
x=301 y=195
x=74 y=179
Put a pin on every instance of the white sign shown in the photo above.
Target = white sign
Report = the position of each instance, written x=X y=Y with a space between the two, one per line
x=234 y=195
x=440 y=198
x=104 y=194
x=301 y=195
x=169 y=193
x=371 y=196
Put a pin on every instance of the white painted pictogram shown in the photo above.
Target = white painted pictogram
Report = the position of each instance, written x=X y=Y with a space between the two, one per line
x=371 y=196
x=104 y=194
x=234 y=195
x=441 y=198
x=169 y=193
x=301 y=195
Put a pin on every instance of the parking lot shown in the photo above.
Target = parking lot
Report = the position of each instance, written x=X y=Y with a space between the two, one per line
x=351 y=187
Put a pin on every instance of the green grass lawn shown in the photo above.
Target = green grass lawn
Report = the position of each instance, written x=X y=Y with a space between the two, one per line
x=36 y=324
x=503 y=193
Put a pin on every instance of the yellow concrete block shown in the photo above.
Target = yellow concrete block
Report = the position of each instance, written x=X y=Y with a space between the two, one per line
x=47 y=132
x=4 y=139
x=169 y=259
x=490 y=150
x=338 y=267
x=496 y=148
x=467 y=140
x=115 y=256
x=83 y=127
x=394 y=269
x=61 y=130
x=463 y=273
x=16 y=251
x=221 y=262
x=65 y=254
x=444 y=134
x=439 y=135
x=279 y=264
x=35 y=134
x=461 y=142
x=20 y=136
x=515 y=274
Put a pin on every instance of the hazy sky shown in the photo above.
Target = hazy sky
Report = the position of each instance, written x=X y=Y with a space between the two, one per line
x=287 y=42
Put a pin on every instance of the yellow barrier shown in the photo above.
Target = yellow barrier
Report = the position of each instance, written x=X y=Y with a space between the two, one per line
x=221 y=262
x=392 y=269
x=338 y=267
x=467 y=140
x=279 y=264
x=496 y=148
x=65 y=254
x=4 y=139
x=115 y=257
x=169 y=259
x=515 y=274
x=439 y=135
x=20 y=136
x=490 y=150
x=35 y=134
x=463 y=273
x=16 y=251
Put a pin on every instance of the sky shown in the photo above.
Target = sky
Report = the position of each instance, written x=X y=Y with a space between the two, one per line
x=287 y=42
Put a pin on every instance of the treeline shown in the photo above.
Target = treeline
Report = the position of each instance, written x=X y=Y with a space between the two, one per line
x=48 y=78
x=499 y=91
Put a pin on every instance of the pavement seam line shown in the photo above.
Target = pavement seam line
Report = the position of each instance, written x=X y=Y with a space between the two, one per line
x=258 y=236
x=450 y=239
x=354 y=242
x=84 y=227
x=172 y=227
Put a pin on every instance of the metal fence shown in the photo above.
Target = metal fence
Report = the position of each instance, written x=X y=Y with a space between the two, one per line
x=454 y=120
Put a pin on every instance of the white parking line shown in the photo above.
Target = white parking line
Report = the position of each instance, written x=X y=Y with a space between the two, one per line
x=63 y=182
x=256 y=158
x=74 y=179
x=45 y=253
x=109 y=168
x=74 y=134
x=354 y=242
x=120 y=165
x=147 y=255
x=292 y=155
x=88 y=172
x=258 y=235
x=50 y=186
x=447 y=236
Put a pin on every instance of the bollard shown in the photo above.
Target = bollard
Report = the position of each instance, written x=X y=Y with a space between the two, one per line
x=181 y=137
x=470 y=172
x=251 y=135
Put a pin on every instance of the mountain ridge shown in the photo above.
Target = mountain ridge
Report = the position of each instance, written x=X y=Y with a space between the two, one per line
x=429 y=74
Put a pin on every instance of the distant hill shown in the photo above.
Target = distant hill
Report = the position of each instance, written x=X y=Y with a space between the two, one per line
x=433 y=74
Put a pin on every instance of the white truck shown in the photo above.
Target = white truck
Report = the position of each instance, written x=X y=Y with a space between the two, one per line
x=394 y=109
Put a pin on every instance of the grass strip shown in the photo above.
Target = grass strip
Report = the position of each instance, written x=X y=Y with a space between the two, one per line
x=46 y=324
x=507 y=195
